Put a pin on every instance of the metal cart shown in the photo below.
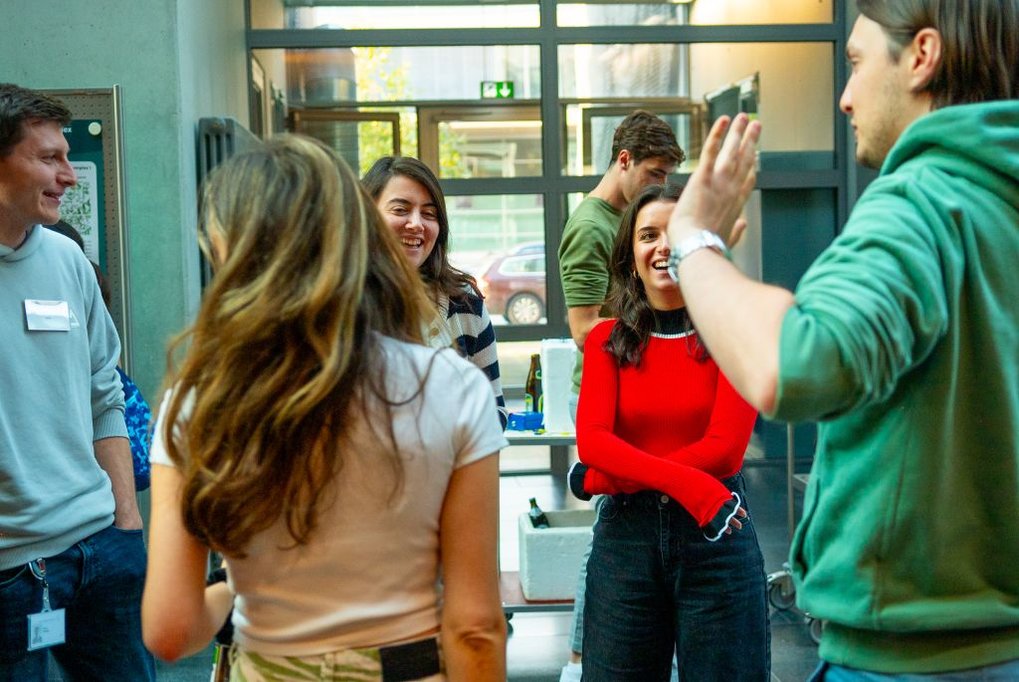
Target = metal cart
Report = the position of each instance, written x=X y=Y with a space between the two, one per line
x=781 y=589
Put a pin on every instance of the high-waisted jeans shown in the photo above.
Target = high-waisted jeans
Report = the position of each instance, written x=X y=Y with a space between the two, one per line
x=656 y=585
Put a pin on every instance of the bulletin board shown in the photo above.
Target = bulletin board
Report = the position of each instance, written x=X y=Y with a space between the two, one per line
x=96 y=207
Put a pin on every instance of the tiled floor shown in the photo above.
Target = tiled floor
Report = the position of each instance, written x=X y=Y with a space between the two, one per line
x=539 y=643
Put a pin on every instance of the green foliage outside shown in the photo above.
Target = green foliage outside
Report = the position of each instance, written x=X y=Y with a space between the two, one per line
x=380 y=80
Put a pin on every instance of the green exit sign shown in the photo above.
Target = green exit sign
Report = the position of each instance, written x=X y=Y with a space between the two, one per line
x=496 y=89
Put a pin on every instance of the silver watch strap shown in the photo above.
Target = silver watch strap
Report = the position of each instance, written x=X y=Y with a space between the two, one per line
x=703 y=239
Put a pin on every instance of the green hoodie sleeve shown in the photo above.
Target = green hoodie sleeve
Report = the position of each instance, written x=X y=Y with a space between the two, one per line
x=870 y=308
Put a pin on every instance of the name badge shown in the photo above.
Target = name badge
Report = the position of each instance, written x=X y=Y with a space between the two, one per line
x=45 y=629
x=47 y=316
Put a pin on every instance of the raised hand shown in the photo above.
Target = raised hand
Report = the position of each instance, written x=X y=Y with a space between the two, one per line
x=716 y=192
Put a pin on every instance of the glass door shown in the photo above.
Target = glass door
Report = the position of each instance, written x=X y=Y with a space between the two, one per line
x=497 y=235
x=359 y=137
x=475 y=141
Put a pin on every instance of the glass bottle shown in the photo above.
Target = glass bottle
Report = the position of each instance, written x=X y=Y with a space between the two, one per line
x=532 y=387
x=538 y=518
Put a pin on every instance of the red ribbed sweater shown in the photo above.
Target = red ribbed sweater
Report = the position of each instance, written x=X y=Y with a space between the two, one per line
x=672 y=424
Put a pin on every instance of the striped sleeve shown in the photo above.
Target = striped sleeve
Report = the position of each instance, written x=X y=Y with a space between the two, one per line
x=474 y=334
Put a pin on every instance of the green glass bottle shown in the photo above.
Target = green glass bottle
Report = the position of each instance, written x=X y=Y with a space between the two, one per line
x=538 y=518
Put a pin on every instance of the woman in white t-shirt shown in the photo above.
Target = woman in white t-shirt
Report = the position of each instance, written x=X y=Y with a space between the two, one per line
x=337 y=463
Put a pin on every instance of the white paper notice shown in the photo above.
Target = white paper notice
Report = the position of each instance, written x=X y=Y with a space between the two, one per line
x=80 y=206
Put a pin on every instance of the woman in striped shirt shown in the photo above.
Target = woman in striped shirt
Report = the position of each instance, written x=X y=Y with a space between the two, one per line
x=411 y=202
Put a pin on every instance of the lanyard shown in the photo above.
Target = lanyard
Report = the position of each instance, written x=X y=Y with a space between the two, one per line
x=38 y=569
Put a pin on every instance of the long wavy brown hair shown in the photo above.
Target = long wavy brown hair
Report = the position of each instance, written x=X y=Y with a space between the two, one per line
x=627 y=300
x=281 y=362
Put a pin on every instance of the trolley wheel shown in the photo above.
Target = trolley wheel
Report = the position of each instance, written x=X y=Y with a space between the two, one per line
x=815 y=627
x=781 y=595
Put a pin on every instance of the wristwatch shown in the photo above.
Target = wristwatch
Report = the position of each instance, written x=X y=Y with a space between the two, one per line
x=703 y=239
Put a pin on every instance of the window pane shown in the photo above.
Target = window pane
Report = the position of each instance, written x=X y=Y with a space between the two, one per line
x=795 y=88
x=621 y=14
x=791 y=93
x=323 y=77
x=589 y=130
x=346 y=138
x=375 y=14
x=717 y=12
x=572 y=201
x=490 y=149
x=805 y=217
x=361 y=136
x=619 y=70
x=500 y=240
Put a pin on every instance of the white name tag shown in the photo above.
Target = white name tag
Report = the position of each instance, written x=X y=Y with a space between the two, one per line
x=45 y=629
x=47 y=316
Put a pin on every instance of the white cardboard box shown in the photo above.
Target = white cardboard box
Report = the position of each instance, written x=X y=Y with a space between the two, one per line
x=550 y=557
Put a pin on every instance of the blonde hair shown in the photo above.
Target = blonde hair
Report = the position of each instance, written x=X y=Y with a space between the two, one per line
x=280 y=360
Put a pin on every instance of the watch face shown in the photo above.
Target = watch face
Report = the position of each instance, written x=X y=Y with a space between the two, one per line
x=702 y=240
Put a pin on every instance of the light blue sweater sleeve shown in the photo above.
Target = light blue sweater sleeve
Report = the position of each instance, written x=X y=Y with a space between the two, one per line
x=107 y=391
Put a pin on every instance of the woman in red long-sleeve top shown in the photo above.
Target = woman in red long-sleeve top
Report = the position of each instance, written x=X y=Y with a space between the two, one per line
x=675 y=565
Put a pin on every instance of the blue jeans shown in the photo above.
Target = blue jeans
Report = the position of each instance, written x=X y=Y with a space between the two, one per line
x=999 y=672
x=580 y=596
x=656 y=585
x=577 y=624
x=99 y=582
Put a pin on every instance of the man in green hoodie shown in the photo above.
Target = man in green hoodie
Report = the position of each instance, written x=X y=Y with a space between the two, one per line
x=902 y=339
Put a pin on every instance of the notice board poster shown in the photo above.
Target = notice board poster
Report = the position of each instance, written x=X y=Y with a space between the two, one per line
x=83 y=205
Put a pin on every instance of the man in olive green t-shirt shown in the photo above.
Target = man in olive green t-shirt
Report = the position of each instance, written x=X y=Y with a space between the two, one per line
x=644 y=152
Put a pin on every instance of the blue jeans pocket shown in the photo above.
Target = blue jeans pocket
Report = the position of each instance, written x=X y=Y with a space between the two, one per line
x=128 y=532
x=608 y=509
x=118 y=555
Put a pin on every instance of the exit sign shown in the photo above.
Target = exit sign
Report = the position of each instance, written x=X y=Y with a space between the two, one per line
x=496 y=89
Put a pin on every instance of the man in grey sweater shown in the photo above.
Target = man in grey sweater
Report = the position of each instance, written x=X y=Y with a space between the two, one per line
x=72 y=560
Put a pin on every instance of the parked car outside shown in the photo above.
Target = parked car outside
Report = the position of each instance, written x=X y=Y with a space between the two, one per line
x=514 y=284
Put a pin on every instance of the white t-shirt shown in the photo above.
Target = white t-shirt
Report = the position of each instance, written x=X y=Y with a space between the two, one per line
x=370 y=575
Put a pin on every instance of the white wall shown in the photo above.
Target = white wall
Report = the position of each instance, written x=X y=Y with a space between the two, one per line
x=709 y=12
x=175 y=60
x=796 y=78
